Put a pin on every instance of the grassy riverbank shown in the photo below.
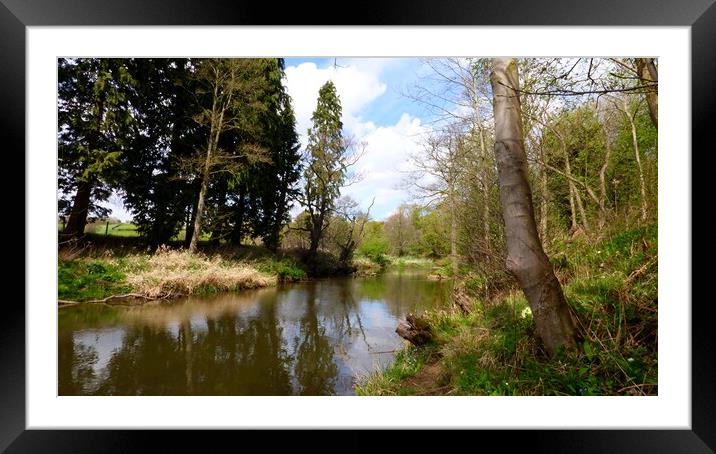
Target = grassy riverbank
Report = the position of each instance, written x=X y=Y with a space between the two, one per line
x=97 y=273
x=611 y=288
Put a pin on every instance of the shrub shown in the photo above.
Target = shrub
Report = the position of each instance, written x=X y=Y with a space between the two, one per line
x=375 y=248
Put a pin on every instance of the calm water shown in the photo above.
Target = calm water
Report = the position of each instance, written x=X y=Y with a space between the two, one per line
x=314 y=338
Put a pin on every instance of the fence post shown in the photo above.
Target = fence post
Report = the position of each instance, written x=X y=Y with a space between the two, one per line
x=106 y=229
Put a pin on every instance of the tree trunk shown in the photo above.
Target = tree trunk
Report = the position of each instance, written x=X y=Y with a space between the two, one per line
x=635 y=143
x=200 y=206
x=316 y=231
x=574 y=194
x=315 y=239
x=80 y=206
x=217 y=123
x=646 y=70
x=526 y=259
x=238 y=233
x=192 y=217
x=545 y=198
x=603 y=183
x=274 y=237
x=78 y=216
x=485 y=189
x=572 y=208
x=453 y=234
x=580 y=207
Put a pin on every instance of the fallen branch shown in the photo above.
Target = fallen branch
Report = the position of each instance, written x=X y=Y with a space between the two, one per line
x=639 y=271
x=109 y=298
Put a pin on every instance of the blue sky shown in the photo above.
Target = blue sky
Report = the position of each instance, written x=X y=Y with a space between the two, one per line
x=375 y=112
x=396 y=73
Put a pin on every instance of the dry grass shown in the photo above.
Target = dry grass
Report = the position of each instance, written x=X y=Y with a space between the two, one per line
x=172 y=273
x=365 y=267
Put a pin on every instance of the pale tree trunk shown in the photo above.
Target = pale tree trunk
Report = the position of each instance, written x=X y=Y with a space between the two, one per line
x=572 y=208
x=646 y=69
x=526 y=259
x=573 y=192
x=635 y=143
x=453 y=148
x=545 y=196
x=580 y=207
x=217 y=120
x=200 y=206
x=603 y=183
x=453 y=233
x=485 y=188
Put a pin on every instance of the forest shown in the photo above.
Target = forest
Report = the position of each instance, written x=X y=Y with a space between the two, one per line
x=533 y=204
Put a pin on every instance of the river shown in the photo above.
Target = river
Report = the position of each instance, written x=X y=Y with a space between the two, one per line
x=310 y=338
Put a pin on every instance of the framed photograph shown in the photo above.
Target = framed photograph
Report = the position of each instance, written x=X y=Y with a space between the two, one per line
x=198 y=202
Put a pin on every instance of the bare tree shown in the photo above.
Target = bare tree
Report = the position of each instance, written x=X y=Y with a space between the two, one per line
x=354 y=221
x=462 y=101
x=226 y=89
x=438 y=170
x=629 y=111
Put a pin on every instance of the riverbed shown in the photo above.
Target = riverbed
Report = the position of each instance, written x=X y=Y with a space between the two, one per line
x=311 y=338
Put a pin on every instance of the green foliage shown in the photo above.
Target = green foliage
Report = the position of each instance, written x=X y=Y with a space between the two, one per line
x=287 y=270
x=375 y=248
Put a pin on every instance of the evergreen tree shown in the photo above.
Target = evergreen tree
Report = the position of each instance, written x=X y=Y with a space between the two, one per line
x=158 y=196
x=326 y=169
x=93 y=116
x=276 y=180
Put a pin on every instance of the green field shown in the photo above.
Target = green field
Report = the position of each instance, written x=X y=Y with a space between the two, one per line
x=125 y=230
x=121 y=229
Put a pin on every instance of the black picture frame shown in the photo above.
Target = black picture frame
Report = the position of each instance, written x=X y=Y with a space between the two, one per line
x=16 y=15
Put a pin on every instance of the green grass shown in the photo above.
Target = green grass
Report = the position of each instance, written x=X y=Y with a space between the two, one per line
x=287 y=270
x=390 y=381
x=408 y=262
x=83 y=279
x=612 y=289
x=127 y=230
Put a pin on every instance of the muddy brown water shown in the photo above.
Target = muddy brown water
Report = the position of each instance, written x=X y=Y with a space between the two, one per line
x=312 y=338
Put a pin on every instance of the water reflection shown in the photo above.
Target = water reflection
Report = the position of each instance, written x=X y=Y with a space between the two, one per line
x=314 y=338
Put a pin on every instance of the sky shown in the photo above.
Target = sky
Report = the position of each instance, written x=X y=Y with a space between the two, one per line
x=375 y=112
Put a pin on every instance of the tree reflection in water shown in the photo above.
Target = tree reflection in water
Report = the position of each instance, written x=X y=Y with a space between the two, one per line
x=311 y=338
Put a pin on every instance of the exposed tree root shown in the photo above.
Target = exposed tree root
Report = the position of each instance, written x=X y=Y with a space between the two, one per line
x=415 y=330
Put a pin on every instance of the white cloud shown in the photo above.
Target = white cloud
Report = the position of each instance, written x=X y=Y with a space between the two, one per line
x=386 y=164
x=356 y=89
x=386 y=160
